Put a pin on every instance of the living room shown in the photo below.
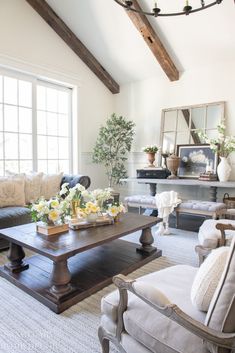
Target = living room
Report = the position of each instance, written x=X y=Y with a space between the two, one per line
x=92 y=55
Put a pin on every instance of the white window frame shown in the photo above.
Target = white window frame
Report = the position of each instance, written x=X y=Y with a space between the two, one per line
x=34 y=80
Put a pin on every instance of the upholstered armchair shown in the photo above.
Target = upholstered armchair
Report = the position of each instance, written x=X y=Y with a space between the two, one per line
x=155 y=312
x=213 y=234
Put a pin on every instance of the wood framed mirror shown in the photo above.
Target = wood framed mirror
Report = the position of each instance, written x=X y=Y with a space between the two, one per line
x=179 y=125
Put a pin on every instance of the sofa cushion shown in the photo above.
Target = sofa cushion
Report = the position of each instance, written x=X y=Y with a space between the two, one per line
x=207 y=278
x=32 y=187
x=12 y=191
x=208 y=235
x=155 y=329
x=221 y=313
x=50 y=185
x=14 y=216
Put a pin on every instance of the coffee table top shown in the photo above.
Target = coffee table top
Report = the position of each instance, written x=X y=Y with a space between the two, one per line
x=65 y=245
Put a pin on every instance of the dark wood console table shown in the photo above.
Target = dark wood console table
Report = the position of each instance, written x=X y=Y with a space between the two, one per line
x=75 y=264
x=213 y=185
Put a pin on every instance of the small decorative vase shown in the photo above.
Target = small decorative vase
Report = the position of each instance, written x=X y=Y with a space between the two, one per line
x=117 y=218
x=92 y=217
x=74 y=206
x=151 y=159
x=173 y=163
x=223 y=169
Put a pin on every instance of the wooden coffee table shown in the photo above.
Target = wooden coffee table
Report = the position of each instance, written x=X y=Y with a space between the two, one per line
x=73 y=265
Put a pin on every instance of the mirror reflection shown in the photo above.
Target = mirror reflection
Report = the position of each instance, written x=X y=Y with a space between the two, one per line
x=180 y=125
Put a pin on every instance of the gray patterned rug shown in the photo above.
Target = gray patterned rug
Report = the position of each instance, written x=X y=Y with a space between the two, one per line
x=27 y=326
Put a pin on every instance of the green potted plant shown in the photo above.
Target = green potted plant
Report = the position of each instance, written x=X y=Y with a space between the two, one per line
x=112 y=145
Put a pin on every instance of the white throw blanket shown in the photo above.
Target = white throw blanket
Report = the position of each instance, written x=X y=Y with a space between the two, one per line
x=166 y=202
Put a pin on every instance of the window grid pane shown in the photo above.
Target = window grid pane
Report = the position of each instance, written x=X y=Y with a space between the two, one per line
x=53 y=129
x=49 y=135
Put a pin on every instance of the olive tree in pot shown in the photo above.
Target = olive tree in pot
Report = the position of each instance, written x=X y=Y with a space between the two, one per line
x=111 y=147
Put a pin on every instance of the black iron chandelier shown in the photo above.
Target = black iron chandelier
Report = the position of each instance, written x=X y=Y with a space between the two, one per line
x=156 y=11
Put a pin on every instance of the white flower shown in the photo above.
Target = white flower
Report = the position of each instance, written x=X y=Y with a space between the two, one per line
x=79 y=187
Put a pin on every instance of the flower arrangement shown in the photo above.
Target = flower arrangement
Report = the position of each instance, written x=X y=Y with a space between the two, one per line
x=51 y=212
x=114 y=210
x=73 y=194
x=150 y=149
x=101 y=196
x=223 y=145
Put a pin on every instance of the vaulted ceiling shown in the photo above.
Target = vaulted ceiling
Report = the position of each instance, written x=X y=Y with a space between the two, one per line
x=202 y=39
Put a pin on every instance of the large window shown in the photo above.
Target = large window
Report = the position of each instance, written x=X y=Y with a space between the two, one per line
x=35 y=125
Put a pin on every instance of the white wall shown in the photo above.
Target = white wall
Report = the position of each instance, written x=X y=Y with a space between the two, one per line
x=29 y=44
x=143 y=102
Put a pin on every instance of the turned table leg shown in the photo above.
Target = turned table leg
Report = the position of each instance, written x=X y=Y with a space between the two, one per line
x=213 y=193
x=60 y=279
x=15 y=256
x=146 y=239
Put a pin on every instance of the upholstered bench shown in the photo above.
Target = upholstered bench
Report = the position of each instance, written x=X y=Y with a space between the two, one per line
x=141 y=202
x=200 y=208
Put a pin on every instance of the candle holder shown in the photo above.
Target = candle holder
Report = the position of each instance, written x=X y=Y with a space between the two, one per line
x=164 y=156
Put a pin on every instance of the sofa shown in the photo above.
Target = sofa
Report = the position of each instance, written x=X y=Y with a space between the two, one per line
x=12 y=215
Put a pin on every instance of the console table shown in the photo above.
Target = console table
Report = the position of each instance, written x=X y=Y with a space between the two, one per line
x=213 y=185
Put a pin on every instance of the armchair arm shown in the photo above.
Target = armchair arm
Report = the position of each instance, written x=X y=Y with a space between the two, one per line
x=223 y=227
x=75 y=179
x=157 y=300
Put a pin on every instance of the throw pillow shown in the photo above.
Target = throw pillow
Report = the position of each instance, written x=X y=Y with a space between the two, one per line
x=207 y=278
x=33 y=184
x=50 y=185
x=12 y=191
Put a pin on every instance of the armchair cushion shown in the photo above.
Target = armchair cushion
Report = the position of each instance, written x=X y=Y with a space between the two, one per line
x=154 y=330
x=221 y=313
x=207 y=278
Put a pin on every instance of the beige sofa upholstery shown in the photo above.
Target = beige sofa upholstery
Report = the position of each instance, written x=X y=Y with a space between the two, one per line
x=155 y=314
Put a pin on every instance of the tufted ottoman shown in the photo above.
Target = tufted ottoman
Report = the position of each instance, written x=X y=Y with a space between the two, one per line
x=200 y=208
x=141 y=201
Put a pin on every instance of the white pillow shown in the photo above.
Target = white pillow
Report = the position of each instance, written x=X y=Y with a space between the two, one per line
x=51 y=185
x=207 y=278
x=33 y=185
x=12 y=191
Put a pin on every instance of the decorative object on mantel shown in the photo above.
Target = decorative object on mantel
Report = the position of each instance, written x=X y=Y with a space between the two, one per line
x=164 y=156
x=196 y=160
x=208 y=176
x=223 y=145
x=153 y=173
x=151 y=151
x=111 y=147
x=156 y=11
x=173 y=163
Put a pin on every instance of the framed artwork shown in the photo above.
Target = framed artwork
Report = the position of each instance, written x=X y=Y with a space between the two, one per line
x=195 y=159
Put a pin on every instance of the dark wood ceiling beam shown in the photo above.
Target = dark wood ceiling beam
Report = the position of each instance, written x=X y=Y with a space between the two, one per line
x=153 y=41
x=56 y=23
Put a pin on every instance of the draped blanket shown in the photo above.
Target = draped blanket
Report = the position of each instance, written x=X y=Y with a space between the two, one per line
x=166 y=202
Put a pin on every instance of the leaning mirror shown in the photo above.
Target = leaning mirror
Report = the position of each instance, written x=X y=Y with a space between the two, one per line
x=180 y=125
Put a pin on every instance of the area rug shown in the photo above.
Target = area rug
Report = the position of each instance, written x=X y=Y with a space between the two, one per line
x=27 y=326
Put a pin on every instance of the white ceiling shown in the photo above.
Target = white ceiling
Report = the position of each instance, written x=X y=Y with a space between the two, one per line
x=201 y=39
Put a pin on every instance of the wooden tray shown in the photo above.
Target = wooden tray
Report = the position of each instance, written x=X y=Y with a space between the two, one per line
x=51 y=230
x=101 y=221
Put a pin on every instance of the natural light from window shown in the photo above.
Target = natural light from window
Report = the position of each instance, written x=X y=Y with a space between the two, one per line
x=35 y=126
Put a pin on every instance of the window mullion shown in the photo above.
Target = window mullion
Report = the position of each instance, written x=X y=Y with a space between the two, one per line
x=34 y=124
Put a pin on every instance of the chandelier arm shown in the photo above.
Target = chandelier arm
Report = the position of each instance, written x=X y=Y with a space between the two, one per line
x=167 y=14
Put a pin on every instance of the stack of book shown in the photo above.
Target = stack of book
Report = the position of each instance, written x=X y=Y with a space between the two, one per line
x=208 y=177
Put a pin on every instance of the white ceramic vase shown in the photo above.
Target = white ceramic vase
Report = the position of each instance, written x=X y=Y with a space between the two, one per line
x=223 y=169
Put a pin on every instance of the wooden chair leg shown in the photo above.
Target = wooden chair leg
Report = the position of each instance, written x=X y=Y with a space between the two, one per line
x=103 y=340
